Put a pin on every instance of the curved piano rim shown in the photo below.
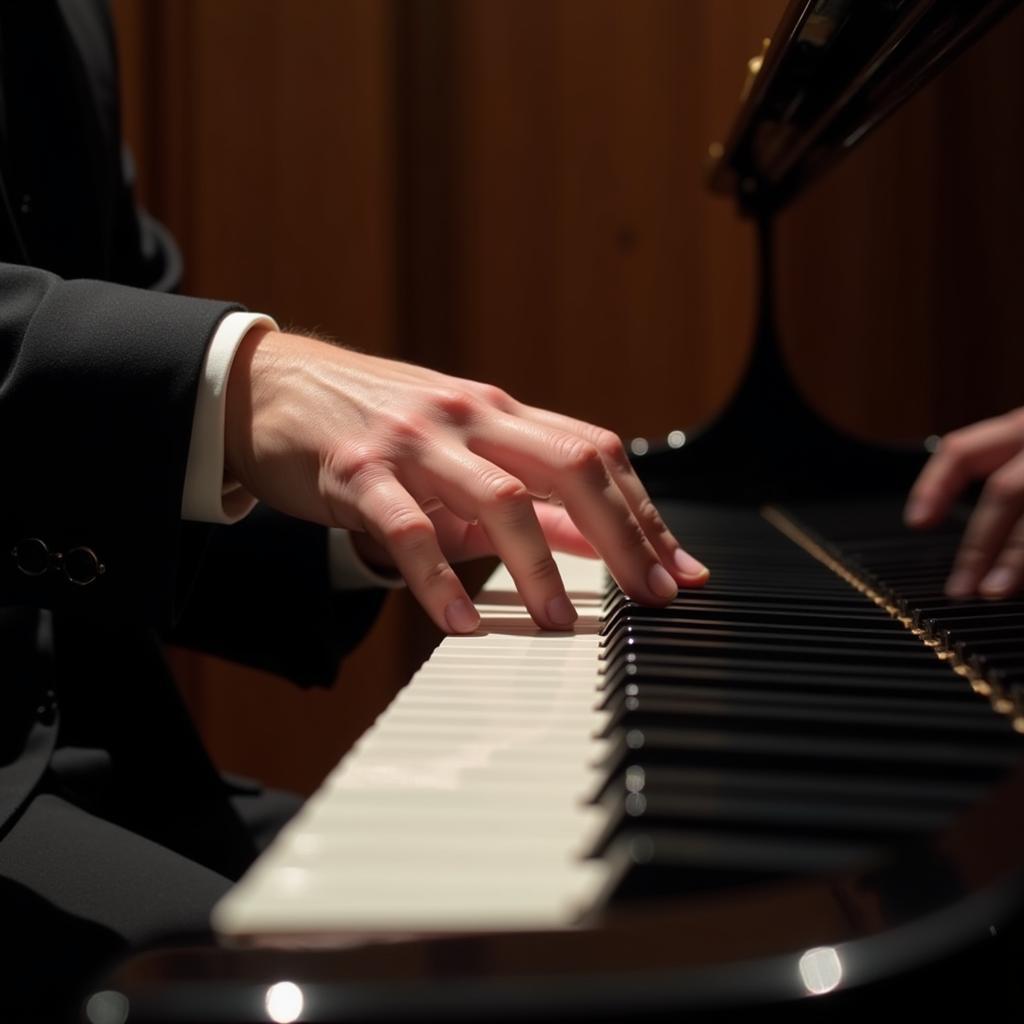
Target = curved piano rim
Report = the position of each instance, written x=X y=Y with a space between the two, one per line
x=771 y=945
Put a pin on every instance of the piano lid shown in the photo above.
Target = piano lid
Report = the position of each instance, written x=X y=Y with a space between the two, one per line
x=834 y=71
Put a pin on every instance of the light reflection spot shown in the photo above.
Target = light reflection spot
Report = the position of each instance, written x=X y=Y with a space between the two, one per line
x=821 y=970
x=636 y=778
x=636 y=804
x=284 y=1002
x=107 y=1007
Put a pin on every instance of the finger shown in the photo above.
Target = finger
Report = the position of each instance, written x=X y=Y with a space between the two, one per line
x=459 y=540
x=477 y=490
x=686 y=569
x=462 y=541
x=963 y=456
x=998 y=512
x=393 y=518
x=561 y=532
x=551 y=461
x=1007 y=575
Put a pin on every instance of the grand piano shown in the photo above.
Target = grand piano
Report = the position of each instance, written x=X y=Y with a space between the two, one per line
x=798 y=789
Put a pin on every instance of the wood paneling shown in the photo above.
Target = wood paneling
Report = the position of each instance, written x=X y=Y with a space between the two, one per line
x=265 y=140
x=591 y=270
x=513 y=190
x=899 y=271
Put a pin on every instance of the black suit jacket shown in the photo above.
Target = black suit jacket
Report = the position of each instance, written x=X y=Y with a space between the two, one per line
x=99 y=368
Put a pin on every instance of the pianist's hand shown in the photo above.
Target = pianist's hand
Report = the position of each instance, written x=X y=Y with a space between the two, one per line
x=991 y=556
x=434 y=468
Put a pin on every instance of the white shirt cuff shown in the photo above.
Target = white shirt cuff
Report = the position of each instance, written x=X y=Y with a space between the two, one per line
x=208 y=497
x=347 y=569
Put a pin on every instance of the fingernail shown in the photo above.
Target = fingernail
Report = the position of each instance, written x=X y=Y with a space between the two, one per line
x=998 y=581
x=688 y=566
x=916 y=512
x=461 y=616
x=560 y=611
x=661 y=584
x=959 y=585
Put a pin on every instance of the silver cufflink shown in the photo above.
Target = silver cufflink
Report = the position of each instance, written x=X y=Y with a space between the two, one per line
x=80 y=565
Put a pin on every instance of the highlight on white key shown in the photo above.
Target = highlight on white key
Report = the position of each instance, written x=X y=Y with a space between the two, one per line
x=284 y=1002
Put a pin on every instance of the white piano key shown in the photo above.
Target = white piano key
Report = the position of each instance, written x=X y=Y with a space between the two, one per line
x=465 y=805
x=430 y=850
x=466 y=755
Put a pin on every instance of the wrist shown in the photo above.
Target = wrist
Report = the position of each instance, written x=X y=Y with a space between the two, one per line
x=247 y=389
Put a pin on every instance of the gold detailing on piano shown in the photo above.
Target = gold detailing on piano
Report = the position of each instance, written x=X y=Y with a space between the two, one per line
x=1001 y=703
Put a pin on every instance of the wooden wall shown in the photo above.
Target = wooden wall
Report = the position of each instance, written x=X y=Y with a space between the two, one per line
x=901 y=270
x=513 y=190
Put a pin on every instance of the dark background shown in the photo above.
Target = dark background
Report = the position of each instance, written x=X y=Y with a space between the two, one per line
x=512 y=190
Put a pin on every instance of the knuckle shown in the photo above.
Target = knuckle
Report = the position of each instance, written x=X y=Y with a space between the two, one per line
x=439 y=573
x=633 y=537
x=497 y=397
x=406 y=528
x=953 y=447
x=578 y=455
x=542 y=568
x=499 y=488
x=649 y=514
x=454 y=404
x=354 y=462
x=405 y=428
x=1002 y=489
x=610 y=445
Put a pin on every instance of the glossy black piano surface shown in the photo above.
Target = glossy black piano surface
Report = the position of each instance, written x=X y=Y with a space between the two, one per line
x=816 y=791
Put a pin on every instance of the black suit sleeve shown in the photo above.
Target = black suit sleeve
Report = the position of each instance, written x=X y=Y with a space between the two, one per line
x=262 y=597
x=97 y=390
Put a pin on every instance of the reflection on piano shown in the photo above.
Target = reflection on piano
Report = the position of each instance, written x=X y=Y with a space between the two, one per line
x=804 y=779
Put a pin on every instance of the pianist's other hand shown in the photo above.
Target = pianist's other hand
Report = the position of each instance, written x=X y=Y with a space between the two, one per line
x=990 y=560
x=433 y=469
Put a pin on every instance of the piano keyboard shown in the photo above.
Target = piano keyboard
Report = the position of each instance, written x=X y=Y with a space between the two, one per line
x=464 y=806
x=778 y=722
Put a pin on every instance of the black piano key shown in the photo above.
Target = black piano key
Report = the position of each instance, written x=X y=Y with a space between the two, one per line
x=981 y=628
x=879 y=639
x=798 y=601
x=759 y=716
x=990 y=647
x=781 y=721
x=980 y=760
x=797 y=672
x=1010 y=670
x=637 y=698
x=832 y=598
x=955 y=609
x=865 y=613
x=761 y=651
x=938 y=685
x=775 y=815
x=666 y=863
x=639 y=775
